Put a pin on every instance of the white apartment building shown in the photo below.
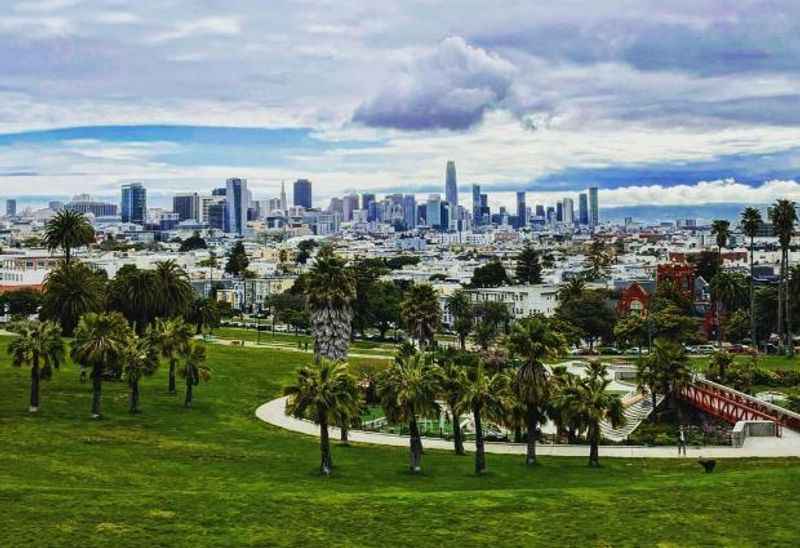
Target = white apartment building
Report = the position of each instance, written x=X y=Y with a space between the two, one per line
x=522 y=300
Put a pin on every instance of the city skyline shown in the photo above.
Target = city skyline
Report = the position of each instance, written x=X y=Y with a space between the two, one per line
x=622 y=103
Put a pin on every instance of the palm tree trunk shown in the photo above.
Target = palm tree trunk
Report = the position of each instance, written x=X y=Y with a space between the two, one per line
x=415 y=446
x=753 y=337
x=97 y=385
x=789 y=337
x=189 y=386
x=480 y=456
x=326 y=463
x=34 y=407
x=343 y=434
x=533 y=426
x=780 y=303
x=594 y=453
x=458 y=435
x=133 y=398
x=172 y=389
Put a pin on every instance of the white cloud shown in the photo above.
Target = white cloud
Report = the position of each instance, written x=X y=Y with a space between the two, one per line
x=220 y=25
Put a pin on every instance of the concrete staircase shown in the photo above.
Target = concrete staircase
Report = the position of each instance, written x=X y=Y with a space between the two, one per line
x=637 y=408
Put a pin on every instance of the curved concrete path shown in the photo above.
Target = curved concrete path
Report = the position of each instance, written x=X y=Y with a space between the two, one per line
x=274 y=413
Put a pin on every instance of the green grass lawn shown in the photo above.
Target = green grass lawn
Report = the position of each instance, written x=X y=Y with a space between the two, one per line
x=267 y=337
x=215 y=475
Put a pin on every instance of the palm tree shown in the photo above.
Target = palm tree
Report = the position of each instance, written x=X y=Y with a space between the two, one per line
x=70 y=291
x=140 y=360
x=729 y=290
x=533 y=340
x=420 y=313
x=751 y=223
x=408 y=390
x=590 y=400
x=330 y=290
x=135 y=293
x=175 y=293
x=172 y=338
x=38 y=346
x=670 y=369
x=562 y=382
x=100 y=344
x=720 y=229
x=204 y=313
x=194 y=370
x=647 y=380
x=460 y=308
x=484 y=395
x=322 y=390
x=67 y=230
x=211 y=262
x=453 y=381
x=783 y=216
x=574 y=288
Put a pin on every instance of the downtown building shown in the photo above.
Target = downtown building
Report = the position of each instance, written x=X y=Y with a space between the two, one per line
x=133 y=206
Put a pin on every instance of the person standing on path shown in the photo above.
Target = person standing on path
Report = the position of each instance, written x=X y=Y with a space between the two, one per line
x=682 y=441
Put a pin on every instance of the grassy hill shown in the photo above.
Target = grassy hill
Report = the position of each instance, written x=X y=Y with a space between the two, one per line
x=215 y=475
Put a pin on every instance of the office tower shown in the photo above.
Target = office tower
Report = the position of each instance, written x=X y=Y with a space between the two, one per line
x=450 y=186
x=206 y=202
x=274 y=204
x=168 y=221
x=551 y=215
x=336 y=206
x=484 y=213
x=219 y=192
x=349 y=205
x=366 y=199
x=522 y=218
x=187 y=206
x=83 y=203
x=284 y=204
x=444 y=216
x=11 y=208
x=569 y=212
x=410 y=211
x=134 y=203
x=583 y=209
x=216 y=215
x=372 y=211
x=540 y=211
x=434 y=213
x=594 y=210
x=237 y=202
x=559 y=212
x=476 y=205
x=302 y=193
x=56 y=205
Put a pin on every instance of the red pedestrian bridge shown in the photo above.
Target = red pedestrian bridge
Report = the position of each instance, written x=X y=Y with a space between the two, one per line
x=733 y=406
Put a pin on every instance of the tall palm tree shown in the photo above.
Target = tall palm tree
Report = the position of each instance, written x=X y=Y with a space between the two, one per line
x=140 y=359
x=671 y=370
x=194 y=369
x=751 y=222
x=330 y=291
x=175 y=293
x=322 y=390
x=533 y=340
x=720 y=229
x=562 y=416
x=100 y=344
x=408 y=390
x=783 y=216
x=590 y=400
x=485 y=396
x=67 y=230
x=40 y=347
x=648 y=380
x=729 y=290
x=172 y=338
x=420 y=313
x=462 y=311
x=135 y=293
x=70 y=291
x=204 y=313
x=452 y=384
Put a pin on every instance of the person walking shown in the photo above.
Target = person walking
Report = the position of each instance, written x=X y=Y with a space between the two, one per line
x=682 y=441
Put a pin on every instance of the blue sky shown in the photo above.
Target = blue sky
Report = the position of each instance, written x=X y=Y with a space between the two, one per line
x=667 y=102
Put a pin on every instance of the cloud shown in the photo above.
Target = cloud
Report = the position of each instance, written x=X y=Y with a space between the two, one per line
x=450 y=88
x=221 y=26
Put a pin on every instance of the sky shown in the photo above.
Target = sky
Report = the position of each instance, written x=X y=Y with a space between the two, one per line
x=666 y=102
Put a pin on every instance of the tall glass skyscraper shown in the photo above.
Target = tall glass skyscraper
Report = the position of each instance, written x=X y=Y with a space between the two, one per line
x=302 y=193
x=410 y=211
x=434 y=215
x=133 y=207
x=450 y=186
x=476 y=205
x=187 y=206
x=237 y=201
x=594 y=207
x=522 y=219
x=583 y=209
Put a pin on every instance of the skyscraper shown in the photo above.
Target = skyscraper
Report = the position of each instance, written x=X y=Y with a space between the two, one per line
x=410 y=211
x=450 y=185
x=133 y=208
x=583 y=209
x=349 y=205
x=569 y=212
x=485 y=213
x=366 y=199
x=11 y=208
x=434 y=214
x=302 y=193
x=476 y=205
x=594 y=208
x=187 y=206
x=284 y=204
x=540 y=211
x=559 y=212
x=237 y=202
x=522 y=219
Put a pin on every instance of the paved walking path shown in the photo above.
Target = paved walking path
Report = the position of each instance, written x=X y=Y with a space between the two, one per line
x=274 y=413
x=283 y=347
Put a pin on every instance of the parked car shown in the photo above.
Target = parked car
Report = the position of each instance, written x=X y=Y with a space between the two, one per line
x=609 y=350
x=705 y=349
